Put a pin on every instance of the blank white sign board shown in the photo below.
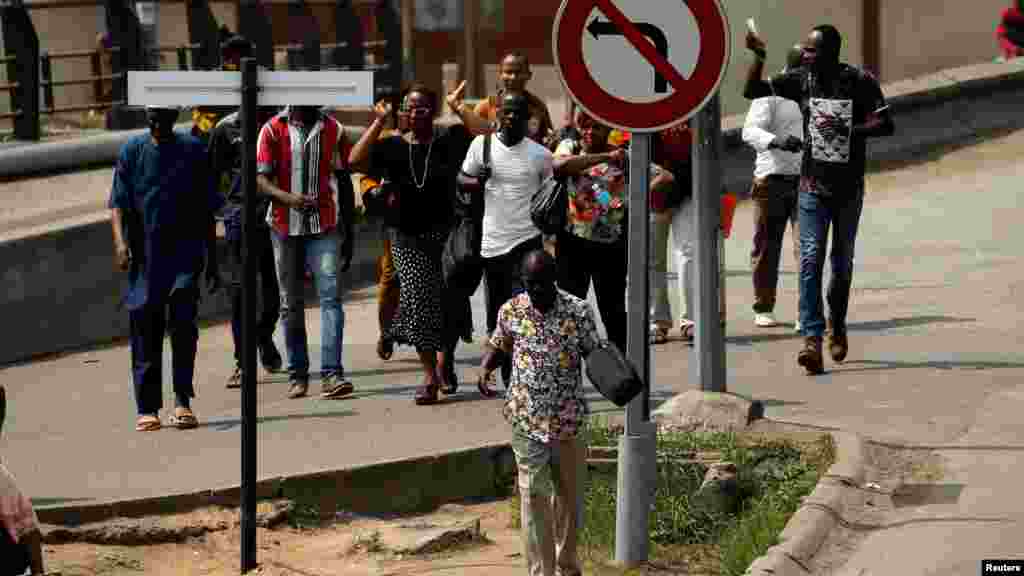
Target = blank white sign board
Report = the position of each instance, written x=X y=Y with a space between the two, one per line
x=277 y=88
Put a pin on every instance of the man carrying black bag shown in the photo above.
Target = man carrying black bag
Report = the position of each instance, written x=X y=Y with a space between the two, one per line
x=547 y=333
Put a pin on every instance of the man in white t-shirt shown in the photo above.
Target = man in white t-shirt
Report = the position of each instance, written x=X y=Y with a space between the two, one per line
x=775 y=129
x=517 y=169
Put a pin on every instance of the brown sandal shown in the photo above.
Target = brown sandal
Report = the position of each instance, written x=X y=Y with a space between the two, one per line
x=147 y=423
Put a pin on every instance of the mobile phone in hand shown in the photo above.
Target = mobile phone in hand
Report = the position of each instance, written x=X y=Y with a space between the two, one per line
x=752 y=26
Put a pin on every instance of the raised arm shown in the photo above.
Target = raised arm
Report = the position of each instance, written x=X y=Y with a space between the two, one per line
x=359 y=156
x=755 y=86
x=474 y=123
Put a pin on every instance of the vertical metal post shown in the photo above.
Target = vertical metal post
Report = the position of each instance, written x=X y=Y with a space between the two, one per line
x=250 y=99
x=636 y=470
x=707 y=180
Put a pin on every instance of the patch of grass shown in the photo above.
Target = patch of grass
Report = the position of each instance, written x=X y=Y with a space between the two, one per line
x=773 y=475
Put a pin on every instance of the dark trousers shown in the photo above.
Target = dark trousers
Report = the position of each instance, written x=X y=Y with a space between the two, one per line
x=817 y=214
x=175 y=314
x=503 y=277
x=774 y=206
x=271 y=293
x=581 y=262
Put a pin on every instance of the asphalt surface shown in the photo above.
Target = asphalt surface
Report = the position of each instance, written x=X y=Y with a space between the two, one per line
x=934 y=361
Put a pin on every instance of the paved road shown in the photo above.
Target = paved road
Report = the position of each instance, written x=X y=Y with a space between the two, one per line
x=934 y=360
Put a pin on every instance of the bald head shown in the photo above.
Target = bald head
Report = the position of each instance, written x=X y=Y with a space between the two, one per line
x=538 y=274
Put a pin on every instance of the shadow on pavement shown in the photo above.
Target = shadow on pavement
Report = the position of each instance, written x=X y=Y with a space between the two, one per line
x=874 y=365
x=223 y=425
x=40 y=502
x=871 y=326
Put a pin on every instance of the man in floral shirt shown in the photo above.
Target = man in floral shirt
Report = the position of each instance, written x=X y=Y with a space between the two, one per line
x=548 y=333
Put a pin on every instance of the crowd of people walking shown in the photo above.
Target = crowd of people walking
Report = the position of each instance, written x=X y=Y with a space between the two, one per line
x=808 y=124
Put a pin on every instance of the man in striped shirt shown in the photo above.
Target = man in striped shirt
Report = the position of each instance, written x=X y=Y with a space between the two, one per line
x=300 y=157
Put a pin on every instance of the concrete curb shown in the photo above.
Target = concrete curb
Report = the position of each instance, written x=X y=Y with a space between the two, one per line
x=807 y=530
x=372 y=489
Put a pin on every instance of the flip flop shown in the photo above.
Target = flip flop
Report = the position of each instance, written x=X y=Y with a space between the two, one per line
x=184 y=419
x=147 y=424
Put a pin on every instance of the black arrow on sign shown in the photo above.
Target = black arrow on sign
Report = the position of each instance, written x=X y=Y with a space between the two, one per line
x=598 y=28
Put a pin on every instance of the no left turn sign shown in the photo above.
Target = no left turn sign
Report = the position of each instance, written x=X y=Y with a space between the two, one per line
x=641 y=66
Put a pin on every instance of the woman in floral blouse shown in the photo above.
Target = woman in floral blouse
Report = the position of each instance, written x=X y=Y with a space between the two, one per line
x=593 y=246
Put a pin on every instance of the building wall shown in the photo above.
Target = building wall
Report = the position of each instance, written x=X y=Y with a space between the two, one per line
x=923 y=36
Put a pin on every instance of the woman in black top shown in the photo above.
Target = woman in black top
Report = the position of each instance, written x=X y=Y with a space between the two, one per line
x=420 y=167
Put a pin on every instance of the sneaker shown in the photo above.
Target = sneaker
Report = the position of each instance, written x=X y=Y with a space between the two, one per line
x=299 y=387
x=765 y=320
x=270 y=357
x=235 y=381
x=658 y=334
x=810 y=357
x=797 y=327
x=332 y=387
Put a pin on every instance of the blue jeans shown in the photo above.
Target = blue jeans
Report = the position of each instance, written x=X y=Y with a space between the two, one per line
x=817 y=213
x=291 y=255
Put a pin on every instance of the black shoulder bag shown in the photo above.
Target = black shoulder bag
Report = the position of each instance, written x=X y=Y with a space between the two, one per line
x=549 y=207
x=461 y=260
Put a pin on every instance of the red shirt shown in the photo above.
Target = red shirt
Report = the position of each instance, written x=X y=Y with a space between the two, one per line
x=303 y=160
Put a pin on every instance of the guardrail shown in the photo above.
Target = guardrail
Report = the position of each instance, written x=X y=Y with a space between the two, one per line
x=34 y=86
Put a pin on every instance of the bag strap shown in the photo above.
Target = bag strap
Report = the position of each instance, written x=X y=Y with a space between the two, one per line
x=487 y=150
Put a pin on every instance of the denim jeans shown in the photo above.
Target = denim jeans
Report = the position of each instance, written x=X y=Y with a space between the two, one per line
x=291 y=255
x=817 y=213
x=551 y=493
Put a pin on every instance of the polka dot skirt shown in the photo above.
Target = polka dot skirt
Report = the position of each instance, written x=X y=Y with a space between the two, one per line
x=419 y=321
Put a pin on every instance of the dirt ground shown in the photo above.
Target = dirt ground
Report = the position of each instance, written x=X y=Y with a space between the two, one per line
x=343 y=549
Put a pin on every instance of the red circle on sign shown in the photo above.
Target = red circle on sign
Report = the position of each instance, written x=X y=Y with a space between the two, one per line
x=570 y=25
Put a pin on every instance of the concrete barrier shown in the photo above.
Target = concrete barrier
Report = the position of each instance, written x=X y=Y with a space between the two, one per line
x=62 y=293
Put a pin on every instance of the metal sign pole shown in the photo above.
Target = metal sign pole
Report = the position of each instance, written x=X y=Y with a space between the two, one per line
x=636 y=470
x=707 y=180
x=250 y=93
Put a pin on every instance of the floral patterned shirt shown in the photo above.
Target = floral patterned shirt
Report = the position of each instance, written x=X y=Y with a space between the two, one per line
x=545 y=398
x=598 y=198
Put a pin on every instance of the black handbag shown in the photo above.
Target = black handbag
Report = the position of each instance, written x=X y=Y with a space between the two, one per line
x=461 y=261
x=613 y=375
x=549 y=207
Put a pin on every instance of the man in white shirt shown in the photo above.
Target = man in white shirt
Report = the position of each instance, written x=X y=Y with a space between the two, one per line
x=518 y=167
x=775 y=129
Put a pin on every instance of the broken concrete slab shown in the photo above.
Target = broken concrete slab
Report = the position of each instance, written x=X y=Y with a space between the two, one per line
x=699 y=411
x=421 y=537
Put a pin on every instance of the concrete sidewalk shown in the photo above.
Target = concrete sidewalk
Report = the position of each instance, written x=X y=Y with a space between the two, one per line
x=934 y=361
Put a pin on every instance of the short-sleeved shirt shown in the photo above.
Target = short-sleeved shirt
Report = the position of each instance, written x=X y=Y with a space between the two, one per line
x=851 y=95
x=598 y=198
x=167 y=197
x=303 y=160
x=517 y=173
x=226 y=165
x=425 y=175
x=545 y=399
x=17 y=516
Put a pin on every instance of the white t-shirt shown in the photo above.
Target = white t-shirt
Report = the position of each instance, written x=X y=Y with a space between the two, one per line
x=516 y=174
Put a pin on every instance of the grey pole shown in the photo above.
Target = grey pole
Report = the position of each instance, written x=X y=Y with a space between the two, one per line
x=636 y=470
x=707 y=180
x=250 y=94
